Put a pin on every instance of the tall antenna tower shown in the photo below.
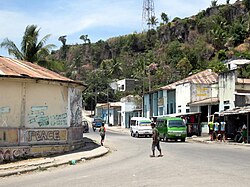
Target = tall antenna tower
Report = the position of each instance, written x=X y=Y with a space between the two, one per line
x=147 y=14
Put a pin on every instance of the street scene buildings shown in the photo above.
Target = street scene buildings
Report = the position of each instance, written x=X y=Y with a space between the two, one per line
x=195 y=98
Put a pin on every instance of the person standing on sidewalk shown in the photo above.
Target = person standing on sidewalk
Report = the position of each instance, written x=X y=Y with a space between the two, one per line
x=216 y=129
x=102 y=131
x=156 y=141
x=211 y=130
x=223 y=131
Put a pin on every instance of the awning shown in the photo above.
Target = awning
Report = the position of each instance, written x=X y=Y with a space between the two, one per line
x=209 y=101
x=235 y=111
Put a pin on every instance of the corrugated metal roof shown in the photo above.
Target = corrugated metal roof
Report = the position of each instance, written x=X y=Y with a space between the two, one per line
x=212 y=100
x=21 y=69
x=111 y=104
x=204 y=77
x=237 y=110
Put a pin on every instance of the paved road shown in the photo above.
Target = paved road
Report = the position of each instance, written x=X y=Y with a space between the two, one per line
x=129 y=164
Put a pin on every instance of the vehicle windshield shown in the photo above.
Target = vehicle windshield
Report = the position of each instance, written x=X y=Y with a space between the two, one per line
x=176 y=123
x=97 y=120
x=145 y=123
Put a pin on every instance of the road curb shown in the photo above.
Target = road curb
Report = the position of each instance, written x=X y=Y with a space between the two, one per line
x=56 y=163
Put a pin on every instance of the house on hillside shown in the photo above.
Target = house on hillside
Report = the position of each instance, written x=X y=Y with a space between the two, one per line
x=40 y=111
x=124 y=85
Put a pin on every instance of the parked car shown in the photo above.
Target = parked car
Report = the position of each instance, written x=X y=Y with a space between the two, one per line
x=140 y=126
x=97 y=123
x=171 y=128
x=85 y=126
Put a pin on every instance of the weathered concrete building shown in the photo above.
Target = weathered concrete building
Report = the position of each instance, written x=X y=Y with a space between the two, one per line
x=40 y=111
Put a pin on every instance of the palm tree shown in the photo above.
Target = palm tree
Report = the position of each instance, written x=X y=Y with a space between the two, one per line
x=32 y=50
x=152 y=22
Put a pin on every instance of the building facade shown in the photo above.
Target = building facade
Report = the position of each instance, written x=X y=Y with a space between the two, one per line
x=40 y=111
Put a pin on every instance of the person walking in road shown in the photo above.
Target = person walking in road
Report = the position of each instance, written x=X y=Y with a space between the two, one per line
x=244 y=134
x=156 y=142
x=102 y=131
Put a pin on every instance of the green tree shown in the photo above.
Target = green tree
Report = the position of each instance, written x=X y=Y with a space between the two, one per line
x=153 y=21
x=247 y=4
x=184 y=67
x=217 y=66
x=164 y=18
x=85 y=39
x=214 y=3
x=63 y=39
x=32 y=50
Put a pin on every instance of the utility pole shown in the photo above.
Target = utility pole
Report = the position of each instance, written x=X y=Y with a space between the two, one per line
x=147 y=13
x=108 y=104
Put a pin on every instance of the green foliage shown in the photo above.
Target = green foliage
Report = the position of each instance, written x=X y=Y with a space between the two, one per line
x=164 y=18
x=217 y=66
x=247 y=4
x=244 y=71
x=184 y=67
x=56 y=66
x=32 y=50
x=213 y=3
x=222 y=55
x=238 y=31
x=176 y=19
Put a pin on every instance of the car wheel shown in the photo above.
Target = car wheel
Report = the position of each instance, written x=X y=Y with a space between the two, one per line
x=183 y=139
x=137 y=135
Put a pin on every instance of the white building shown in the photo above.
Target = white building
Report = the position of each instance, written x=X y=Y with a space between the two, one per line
x=130 y=107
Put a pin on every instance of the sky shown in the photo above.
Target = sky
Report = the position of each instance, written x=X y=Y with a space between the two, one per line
x=99 y=19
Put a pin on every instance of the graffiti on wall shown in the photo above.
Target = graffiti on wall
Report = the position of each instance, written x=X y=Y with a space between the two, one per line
x=38 y=116
x=75 y=107
x=46 y=135
x=3 y=116
x=9 y=154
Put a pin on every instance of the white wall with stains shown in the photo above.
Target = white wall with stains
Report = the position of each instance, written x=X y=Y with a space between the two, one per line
x=46 y=106
x=10 y=103
x=39 y=105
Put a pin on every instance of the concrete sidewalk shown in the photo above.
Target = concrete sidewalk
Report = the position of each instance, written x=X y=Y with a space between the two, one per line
x=90 y=151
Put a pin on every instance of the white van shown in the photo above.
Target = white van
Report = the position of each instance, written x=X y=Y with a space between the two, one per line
x=140 y=126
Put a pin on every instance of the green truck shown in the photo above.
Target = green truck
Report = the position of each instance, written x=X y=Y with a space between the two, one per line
x=171 y=128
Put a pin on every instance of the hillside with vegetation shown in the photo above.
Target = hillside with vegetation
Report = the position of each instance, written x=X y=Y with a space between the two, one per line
x=171 y=51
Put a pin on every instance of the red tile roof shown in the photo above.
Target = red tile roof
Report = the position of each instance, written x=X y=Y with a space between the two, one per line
x=203 y=77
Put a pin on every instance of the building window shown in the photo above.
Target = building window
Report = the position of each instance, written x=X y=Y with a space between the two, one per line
x=179 y=110
x=160 y=111
x=187 y=110
x=122 y=87
x=171 y=108
x=160 y=94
